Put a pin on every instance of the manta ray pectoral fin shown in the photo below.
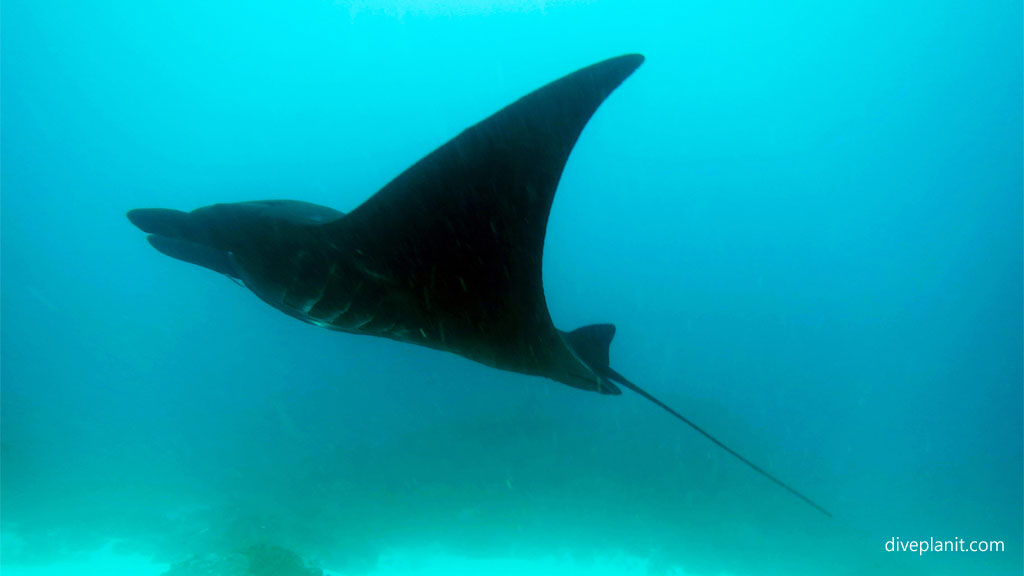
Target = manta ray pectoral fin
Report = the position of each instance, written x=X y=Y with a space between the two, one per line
x=622 y=380
x=465 y=225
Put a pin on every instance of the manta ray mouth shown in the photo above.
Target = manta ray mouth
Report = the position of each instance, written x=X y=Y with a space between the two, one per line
x=193 y=253
x=173 y=233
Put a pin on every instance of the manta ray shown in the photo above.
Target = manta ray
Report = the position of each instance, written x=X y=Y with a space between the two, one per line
x=447 y=255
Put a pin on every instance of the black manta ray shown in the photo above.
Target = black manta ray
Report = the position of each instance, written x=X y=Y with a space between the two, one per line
x=447 y=255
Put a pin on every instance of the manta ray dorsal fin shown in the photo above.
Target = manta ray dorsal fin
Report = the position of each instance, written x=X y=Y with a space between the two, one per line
x=466 y=223
x=592 y=343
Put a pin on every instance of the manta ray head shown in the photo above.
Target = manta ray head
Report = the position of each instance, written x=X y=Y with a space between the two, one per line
x=216 y=236
x=185 y=236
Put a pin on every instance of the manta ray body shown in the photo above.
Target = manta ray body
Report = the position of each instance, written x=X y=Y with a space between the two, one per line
x=447 y=255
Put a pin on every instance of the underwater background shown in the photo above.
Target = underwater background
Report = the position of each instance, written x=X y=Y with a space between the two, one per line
x=804 y=218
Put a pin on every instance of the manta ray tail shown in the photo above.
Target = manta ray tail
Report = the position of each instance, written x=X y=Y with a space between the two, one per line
x=592 y=343
x=610 y=373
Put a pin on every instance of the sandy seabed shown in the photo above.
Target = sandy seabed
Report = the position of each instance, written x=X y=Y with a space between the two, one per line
x=107 y=561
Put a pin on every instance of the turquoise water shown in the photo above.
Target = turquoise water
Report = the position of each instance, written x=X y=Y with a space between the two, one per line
x=804 y=218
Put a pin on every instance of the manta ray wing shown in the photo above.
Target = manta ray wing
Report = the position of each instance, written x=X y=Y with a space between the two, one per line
x=462 y=230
